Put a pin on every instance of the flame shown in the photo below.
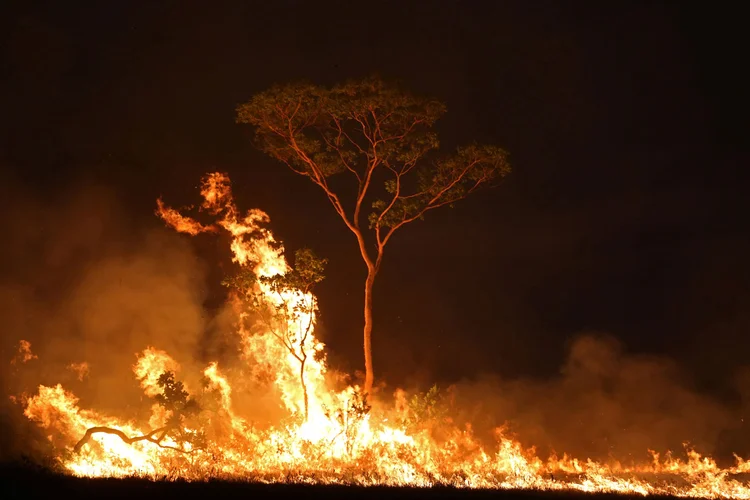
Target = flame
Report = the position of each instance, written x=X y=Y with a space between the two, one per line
x=80 y=369
x=24 y=354
x=151 y=364
x=329 y=436
x=178 y=222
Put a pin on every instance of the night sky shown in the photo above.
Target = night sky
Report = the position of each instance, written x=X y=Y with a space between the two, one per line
x=626 y=123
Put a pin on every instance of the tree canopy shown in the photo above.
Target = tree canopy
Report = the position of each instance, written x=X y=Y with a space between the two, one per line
x=382 y=137
x=365 y=128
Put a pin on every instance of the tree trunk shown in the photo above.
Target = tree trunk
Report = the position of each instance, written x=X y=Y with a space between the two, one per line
x=302 y=381
x=369 y=376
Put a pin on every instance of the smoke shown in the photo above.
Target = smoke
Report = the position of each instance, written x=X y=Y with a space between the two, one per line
x=89 y=288
x=605 y=403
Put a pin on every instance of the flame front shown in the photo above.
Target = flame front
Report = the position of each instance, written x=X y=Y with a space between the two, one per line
x=328 y=436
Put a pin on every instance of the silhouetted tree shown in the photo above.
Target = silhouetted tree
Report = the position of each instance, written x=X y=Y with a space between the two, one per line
x=174 y=398
x=287 y=316
x=382 y=137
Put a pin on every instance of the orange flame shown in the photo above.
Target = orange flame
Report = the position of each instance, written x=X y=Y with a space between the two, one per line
x=329 y=436
x=80 y=369
x=24 y=354
x=178 y=222
x=151 y=364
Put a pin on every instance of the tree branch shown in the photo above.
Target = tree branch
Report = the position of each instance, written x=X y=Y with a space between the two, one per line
x=435 y=200
x=387 y=209
x=364 y=186
x=150 y=437
x=319 y=179
x=339 y=151
x=348 y=137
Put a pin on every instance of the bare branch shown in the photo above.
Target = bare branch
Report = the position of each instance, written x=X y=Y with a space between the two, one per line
x=150 y=437
x=340 y=153
x=366 y=129
x=364 y=186
x=396 y=194
x=348 y=137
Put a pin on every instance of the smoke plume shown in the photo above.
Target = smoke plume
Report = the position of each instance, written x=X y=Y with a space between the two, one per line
x=605 y=403
x=86 y=289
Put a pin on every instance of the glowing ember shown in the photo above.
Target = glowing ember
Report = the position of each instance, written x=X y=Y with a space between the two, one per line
x=328 y=435
x=80 y=369
x=24 y=353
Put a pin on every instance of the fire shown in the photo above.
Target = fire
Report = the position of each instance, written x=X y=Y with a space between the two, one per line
x=180 y=223
x=151 y=364
x=329 y=435
x=24 y=354
x=80 y=369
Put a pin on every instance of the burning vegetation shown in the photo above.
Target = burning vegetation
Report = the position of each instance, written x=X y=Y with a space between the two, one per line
x=327 y=431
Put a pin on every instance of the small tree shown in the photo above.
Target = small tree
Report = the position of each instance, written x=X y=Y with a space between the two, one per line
x=425 y=409
x=381 y=136
x=288 y=316
x=349 y=416
x=177 y=401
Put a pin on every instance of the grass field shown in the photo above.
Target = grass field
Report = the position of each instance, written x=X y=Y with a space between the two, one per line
x=29 y=481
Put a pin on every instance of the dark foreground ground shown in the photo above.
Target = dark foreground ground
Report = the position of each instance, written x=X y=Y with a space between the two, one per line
x=20 y=481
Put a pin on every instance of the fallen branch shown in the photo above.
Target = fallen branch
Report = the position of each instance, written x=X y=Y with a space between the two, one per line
x=150 y=437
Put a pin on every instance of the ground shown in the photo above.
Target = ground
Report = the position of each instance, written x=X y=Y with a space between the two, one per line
x=21 y=481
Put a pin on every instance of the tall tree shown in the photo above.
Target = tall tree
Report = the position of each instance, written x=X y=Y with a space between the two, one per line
x=381 y=136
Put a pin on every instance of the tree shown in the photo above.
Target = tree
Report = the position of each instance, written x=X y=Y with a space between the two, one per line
x=287 y=316
x=180 y=406
x=381 y=136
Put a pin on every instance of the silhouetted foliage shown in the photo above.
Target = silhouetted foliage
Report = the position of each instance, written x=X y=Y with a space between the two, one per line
x=348 y=416
x=287 y=316
x=382 y=137
x=426 y=408
x=177 y=401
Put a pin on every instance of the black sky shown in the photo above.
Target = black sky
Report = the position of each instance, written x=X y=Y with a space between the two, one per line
x=626 y=122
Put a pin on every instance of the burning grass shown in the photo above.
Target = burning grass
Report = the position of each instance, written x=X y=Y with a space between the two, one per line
x=329 y=432
x=31 y=481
